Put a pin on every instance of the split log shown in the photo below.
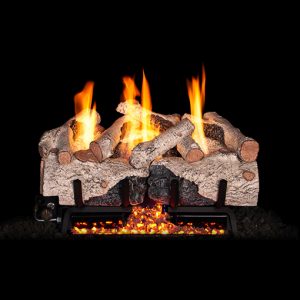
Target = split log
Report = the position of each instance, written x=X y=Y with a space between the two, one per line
x=104 y=147
x=136 y=112
x=145 y=153
x=85 y=155
x=208 y=173
x=246 y=148
x=190 y=150
x=97 y=179
x=58 y=141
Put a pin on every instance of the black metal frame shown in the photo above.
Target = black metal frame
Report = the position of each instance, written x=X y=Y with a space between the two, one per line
x=212 y=213
x=67 y=213
x=63 y=214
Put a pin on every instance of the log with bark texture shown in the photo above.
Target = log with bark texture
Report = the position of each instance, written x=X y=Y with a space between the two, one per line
x=214 y=132
x=143 y=154
x=214 y=146
x=190 y=150
x=207 y=173
x=112 y=198
x=136 y=112
x=57 y=140
x=104 y=147
x=64 y=155
x=97 y=178
x=246 y=148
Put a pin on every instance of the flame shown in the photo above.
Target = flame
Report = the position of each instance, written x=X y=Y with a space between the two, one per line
x=143 y=131
x=86 y=117
x=196 y=93
x=130 y=93
x=130 y=90
x=147 y=105
x=146 y=221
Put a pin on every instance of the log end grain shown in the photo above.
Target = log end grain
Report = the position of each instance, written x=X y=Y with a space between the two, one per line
x=96 y=150
x=249 y=176
x=194 y=155
x=64 y=157
x=249 y=151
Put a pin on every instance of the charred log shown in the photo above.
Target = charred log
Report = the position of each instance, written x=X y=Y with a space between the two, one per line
x=112 y=198
x=159 y=183
x=189 y=195
x=137 y=190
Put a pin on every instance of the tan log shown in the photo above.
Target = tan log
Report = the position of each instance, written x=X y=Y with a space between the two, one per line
x=85 y=155
x=143 y=154
x=58 y=140
x=97 y=179
x=136 y=112
x=214 y=146
x=190 y=150
x=246 y=148
x=208 y=173
x=104 y=147
x=63 y=145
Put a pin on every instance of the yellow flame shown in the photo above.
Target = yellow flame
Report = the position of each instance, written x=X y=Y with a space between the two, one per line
x=196 y=93
x=138 y=131
x=86 y=117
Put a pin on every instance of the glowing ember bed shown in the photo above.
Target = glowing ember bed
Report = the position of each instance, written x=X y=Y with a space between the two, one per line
x=148 y=173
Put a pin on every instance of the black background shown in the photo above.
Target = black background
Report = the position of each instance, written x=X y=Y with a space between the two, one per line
x=249 y=82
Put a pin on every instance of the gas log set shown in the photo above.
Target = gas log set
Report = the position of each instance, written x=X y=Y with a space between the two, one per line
x=148 y=173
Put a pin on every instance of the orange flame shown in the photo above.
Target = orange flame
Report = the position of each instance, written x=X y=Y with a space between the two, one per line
x=197 y=100
x=130 y=93
x=148 y=131
x=86 y=117
x=138 y=131
x=147 y=221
